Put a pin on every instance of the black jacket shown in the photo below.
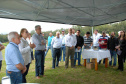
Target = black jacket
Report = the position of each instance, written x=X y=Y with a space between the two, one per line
x=80 y=41
x=112 y=43
x=122 y=46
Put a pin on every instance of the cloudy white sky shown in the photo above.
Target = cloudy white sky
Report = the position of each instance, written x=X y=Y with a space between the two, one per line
x=8 y=25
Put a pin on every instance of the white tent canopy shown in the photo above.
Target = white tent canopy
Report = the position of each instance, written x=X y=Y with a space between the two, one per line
x=75 y=12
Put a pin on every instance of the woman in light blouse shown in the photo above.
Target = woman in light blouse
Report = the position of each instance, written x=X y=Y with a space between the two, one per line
x=25 y=50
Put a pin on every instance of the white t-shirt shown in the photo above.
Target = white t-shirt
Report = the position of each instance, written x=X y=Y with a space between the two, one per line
x=96 y=39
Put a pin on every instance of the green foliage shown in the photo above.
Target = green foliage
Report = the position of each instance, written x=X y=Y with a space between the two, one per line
x=108 y=28
x=3 y=38
x=114 y=27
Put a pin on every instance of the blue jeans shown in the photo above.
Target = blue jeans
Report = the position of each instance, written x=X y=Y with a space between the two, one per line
x=24 y=74
x=113 y=54
x=77 y=54
x=16 y=77
x=0 y=64
x=39 y=62
x=63 y=48
x=56 y=55
x=49 y=47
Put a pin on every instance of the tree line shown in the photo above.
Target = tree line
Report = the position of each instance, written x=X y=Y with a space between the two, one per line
x=108 y=28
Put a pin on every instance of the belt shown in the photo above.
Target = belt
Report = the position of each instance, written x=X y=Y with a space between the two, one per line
x=9 y=72
x=56 y=48
x=39 y=50
x=63 y=44
x=68 y=46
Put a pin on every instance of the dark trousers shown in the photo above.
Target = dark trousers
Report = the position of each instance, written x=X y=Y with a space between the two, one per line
x=39 y=62
x=120 y=61
x=0 y=64
x=24 y=75
x=56 y=55
x=32 y=55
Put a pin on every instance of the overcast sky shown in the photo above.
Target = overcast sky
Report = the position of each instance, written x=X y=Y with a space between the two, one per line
x=8 y=25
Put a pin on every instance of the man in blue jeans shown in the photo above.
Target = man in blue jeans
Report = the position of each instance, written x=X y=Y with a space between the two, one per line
x=49 y=44
x=111 y=44
x=40 y=48
x=78 y=47
x=56 y=43
x=63 y=48
x=14 y=61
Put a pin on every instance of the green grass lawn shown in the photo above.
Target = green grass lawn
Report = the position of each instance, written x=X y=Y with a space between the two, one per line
x=80 y=75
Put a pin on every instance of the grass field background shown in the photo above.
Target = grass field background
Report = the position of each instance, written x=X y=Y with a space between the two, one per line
x=80 y=75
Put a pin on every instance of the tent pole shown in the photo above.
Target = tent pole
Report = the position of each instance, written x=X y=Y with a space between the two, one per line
x=92 y=30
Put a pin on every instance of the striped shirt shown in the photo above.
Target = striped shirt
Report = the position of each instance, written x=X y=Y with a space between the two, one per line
x=88 y=40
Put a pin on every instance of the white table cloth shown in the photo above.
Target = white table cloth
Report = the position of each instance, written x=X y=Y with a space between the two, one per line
x=100 y=54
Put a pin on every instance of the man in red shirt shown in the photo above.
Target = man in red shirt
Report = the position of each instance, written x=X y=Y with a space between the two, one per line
x=103 y=40
x=103 y=43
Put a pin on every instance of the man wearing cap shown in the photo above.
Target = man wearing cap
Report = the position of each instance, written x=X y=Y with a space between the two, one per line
x=62 y=36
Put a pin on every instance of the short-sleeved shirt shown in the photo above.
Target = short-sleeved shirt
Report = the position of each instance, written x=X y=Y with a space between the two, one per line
x=50 y=40
x=87 y=41
x=104 y=40
x=96 y=39
x=13 y=57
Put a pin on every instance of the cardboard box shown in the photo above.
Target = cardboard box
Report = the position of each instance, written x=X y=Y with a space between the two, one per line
x=93 y=61
x=90 y=65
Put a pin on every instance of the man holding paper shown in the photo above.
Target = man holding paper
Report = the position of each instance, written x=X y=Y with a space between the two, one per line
x=78 y=47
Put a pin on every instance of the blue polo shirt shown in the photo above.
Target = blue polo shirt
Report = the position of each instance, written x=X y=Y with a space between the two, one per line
x=13 y=57
x=50 y=40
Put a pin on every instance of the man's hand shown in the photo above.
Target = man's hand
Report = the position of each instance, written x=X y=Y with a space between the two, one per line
x=78 y=47
x=43 y=42
x=117 y=47
x=32 y=45
x=85 y=44
x=72 y=47
x=2 y=47
x=24 y=70
x=45 y=50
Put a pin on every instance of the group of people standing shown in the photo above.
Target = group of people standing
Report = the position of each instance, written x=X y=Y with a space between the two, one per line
x=116 y=46
x=19 y=51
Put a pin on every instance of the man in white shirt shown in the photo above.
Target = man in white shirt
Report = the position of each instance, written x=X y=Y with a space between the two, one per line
x=62 y=36
x=56 y=43
x=70 y=42
x=1 y=58
x=96 y=37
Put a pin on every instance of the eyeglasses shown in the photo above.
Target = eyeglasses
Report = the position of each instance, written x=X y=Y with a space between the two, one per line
x=26 y=32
